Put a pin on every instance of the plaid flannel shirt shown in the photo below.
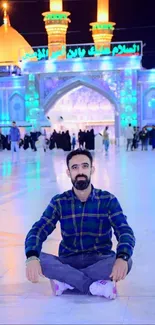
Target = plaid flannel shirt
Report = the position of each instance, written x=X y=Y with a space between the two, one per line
x=85 y=227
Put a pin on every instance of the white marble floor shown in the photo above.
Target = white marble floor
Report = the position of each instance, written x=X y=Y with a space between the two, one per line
x=25 y=190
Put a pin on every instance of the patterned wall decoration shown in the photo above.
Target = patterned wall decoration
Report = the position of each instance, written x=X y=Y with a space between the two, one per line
x=52 y=83
x=2 y=112
x=32 y=103
x=128 y=97
x=16 y=108
x=108 y=80
x=11 y=105
x=148 y=112
x=139 y=100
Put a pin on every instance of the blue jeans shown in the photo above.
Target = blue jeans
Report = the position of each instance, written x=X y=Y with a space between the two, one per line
x=129 y=144
x=15 y=149
x=80 y=270
x=145 y=144
x=153 y=143
x=106 y=144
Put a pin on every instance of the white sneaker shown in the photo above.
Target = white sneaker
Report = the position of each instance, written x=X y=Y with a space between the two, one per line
x=104 y=288
x=59 y=287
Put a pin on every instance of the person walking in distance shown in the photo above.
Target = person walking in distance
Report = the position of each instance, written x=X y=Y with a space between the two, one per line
x=144 y=136
x=73 y=141
x=153 y=137
x=129 y=136
x=135 y=139
x=14 y=138
x=106 y=140
x=87 y=215
x=2 y=140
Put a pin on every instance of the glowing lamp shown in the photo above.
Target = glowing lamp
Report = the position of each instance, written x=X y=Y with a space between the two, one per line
x=56 y=5
x=102 y=16
x=5 y=5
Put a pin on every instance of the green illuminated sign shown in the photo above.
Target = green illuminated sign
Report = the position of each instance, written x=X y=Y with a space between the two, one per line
x=40 y=54
x=85 y=51
x=56 y=16
x=125 y=50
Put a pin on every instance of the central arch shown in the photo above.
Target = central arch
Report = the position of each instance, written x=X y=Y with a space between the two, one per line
x=74 y=83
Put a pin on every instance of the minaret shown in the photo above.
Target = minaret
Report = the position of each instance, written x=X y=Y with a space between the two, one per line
x=102 y=30
x=6 y=19
x=56 y=24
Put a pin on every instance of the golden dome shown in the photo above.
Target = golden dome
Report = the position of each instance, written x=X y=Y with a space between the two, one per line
x=13 y=46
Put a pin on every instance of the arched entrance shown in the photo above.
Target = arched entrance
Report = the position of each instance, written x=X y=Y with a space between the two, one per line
x=83 y=104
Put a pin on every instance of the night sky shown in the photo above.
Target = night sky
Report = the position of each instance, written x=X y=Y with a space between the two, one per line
x=135 y=20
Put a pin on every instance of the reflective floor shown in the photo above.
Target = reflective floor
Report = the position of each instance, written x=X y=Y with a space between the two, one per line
x=25 y=191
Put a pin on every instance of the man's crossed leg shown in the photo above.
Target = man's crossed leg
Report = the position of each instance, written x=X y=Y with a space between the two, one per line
x=85 y=272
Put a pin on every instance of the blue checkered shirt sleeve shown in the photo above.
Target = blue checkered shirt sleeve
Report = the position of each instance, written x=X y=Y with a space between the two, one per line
x=42 y=228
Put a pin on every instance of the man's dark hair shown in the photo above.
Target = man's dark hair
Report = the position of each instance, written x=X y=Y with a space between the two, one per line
x=129 y=124
x=78 y=152
x=13 y=122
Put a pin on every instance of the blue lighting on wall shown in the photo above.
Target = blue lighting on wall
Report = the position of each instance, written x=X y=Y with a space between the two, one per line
x=50 y=66
x=151 y=103
x=78 y=65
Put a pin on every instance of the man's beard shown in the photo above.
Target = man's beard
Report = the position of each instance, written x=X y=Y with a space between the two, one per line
x=81 y=184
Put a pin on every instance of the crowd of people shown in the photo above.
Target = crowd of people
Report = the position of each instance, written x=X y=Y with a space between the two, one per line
x=60 y=140
x=63 y=140
x=85 y=139
x=135 y=137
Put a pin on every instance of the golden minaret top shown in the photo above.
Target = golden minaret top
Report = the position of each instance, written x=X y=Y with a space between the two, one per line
x=103 y=10
x=102 y=29
x=6 y=19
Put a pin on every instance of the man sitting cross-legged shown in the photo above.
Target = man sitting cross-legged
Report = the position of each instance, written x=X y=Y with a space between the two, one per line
x=87 y=215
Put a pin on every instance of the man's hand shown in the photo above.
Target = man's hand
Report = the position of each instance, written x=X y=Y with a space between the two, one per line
x=33 y=271
x=119 y=270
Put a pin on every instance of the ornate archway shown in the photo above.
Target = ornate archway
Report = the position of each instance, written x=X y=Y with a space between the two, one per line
x=74 y=83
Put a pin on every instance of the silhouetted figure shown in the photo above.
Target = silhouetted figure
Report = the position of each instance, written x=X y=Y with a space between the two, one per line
x=144 y=137
x=73 y=141
x=2 y=141
x=52 y=143
x=152 y=135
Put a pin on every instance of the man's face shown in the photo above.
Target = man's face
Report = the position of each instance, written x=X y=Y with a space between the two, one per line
x=80 y=171
x=13 y=124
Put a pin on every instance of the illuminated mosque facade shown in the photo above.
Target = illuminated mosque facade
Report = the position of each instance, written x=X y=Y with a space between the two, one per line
x=74 y=86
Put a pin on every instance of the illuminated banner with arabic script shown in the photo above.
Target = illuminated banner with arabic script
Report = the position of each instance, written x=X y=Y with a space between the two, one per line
x=85 y=51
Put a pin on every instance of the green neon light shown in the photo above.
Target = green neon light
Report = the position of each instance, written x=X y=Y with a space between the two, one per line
x=39 y=55
x=5 y=117
x=128 y=100
x=85 y=51
x=103 y=26
x=50 y=16
x=126 y=119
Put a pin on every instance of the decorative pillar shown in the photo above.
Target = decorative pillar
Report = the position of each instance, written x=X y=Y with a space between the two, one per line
x=102 y=29
x=32 y=103
x=128 y=97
